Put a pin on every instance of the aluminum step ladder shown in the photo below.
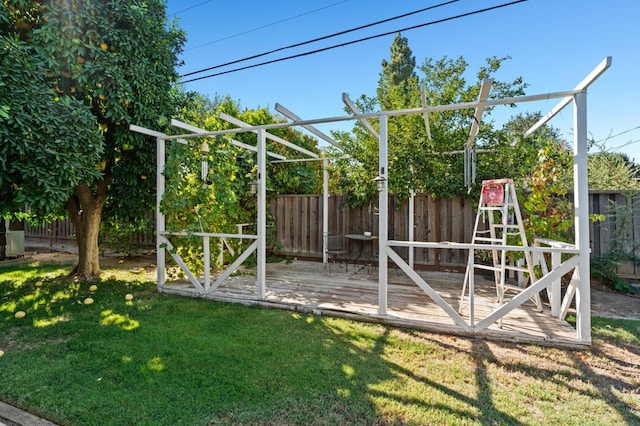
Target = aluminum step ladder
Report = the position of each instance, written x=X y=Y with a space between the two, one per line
x=498 y=207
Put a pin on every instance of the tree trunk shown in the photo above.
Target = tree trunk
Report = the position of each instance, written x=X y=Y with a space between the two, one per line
x=85 y=210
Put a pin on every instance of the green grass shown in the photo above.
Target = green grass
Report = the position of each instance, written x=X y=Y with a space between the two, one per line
x=159 y=360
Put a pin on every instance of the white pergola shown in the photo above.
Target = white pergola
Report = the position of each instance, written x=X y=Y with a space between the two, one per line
x=577 y=254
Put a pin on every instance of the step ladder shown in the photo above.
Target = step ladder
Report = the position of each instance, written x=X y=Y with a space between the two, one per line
x=498 y=207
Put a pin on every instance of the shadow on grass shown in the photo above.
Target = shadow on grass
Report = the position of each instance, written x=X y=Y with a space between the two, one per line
x=159 y=359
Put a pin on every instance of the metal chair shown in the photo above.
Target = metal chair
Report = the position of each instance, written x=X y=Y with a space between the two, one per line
x=335 y=250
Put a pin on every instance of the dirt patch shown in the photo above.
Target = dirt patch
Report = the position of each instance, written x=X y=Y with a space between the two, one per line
x=607 y=303
x=144 y=263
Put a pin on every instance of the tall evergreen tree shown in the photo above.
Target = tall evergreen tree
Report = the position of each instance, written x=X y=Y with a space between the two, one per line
x=397 y=74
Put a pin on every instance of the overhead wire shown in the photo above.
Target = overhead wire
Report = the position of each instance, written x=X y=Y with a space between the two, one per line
x=439 y=21
x=618 y=134
x=191 y=7
x=321 y=38
x=266 y=25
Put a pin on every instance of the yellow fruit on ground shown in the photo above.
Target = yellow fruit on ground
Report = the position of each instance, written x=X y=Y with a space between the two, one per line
x=93 y=288
x=128 y=297
x=88 y=301
x=1 y=352
x=38 y=283
x=20 y=314
x=113 y=278
x=104 y=46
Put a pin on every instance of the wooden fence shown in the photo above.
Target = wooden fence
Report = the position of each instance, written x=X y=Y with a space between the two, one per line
x=298 y=226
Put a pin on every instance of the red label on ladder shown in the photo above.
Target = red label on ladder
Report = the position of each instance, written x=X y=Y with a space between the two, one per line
x=492 y=193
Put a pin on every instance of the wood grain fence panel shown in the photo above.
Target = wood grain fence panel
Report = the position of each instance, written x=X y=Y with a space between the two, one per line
x=609 y=225
x=305 y=213
x=594 y=226
x=298 y=225
x=636 y=231
x=624 y=221
x=315 y=224
x=446 y=225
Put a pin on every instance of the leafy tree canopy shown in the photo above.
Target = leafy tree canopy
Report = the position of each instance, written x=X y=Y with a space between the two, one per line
x=613 y=171
x=101 y=65
x=417 y=161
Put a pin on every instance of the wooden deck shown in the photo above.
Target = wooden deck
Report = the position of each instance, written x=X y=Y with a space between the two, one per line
x=309 y=287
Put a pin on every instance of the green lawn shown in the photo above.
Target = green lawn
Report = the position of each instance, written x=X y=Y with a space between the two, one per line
x=159 y=360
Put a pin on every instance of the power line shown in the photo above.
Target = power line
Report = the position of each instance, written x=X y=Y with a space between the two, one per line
x=439 y=21
x=320 y=38
x=618 y=134
x=267 y=25
x=191 y=7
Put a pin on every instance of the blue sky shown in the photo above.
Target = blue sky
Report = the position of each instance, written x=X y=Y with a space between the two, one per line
x=553 y=44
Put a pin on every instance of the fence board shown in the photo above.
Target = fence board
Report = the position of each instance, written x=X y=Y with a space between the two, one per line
x=298 y=225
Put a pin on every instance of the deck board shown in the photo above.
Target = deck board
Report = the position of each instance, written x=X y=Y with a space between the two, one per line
x=309 y=287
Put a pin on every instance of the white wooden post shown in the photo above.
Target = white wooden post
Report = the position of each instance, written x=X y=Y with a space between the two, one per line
x=160 y=219
x=325 y=209
x=412 y=220
x=581 y=202
x=383 y=206
x=556 y=287
x=206 y=251
x=262 y=212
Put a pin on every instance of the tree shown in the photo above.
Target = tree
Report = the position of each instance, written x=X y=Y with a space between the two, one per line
x=49 y=143
x=397 y=77
x=613 y=171
x=434 y=170
x=222 y=199
x=117 y=60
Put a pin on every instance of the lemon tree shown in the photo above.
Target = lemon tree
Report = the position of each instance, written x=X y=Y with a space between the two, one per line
x=100 y=66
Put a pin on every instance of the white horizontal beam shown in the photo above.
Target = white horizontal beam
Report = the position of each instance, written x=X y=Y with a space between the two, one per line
x=191 y=128
x=593 y=76
x=287 y=113
x=274 y=138
x=356 y=111
x=145 y=131
x=449 y=107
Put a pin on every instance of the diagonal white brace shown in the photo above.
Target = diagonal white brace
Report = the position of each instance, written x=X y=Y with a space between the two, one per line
x=428 y=289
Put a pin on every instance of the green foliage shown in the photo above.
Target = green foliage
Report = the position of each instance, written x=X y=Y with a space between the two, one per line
x=88 y=69
x=613 y=171
x=125 y=236
x=548 y=213
x=49 y=143
x=417 y=162
x=397 y=79
x=222 y=200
